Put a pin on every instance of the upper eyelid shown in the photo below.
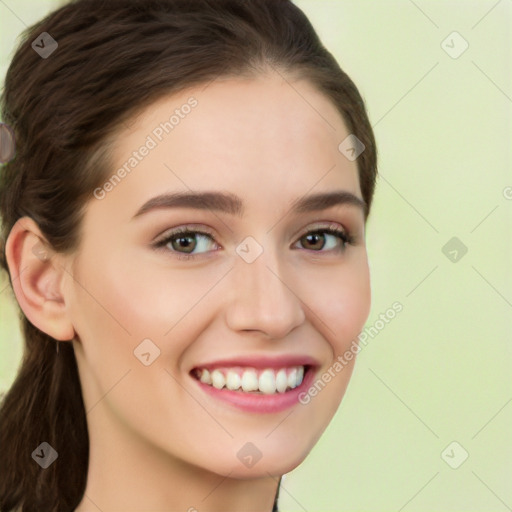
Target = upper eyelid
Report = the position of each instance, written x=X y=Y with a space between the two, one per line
x=184 y=229
x=172 y=232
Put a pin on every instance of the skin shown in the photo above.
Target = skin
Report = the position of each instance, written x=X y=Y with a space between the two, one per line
x=157 y=442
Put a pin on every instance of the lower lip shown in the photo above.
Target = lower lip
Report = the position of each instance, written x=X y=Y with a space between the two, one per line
x=260 y=403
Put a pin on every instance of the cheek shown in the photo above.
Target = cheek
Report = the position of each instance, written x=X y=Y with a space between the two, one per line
x=132 y=299
x=341 y=301
x=142 y=295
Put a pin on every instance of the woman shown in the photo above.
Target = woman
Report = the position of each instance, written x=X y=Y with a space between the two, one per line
x=184 y=233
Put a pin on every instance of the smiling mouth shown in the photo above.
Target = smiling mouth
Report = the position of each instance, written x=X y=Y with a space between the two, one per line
x=268 y=381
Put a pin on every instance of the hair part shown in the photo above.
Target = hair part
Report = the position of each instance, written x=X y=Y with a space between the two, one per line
x=113 y=60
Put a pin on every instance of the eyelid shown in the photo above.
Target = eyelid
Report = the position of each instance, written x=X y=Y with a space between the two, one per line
x=330 y=225
x=324 y=225
x=187 y=228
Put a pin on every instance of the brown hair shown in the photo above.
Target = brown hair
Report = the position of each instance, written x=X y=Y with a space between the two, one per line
x=113 y=59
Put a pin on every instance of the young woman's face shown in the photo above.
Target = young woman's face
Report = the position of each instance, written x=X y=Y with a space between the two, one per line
x=265 y=285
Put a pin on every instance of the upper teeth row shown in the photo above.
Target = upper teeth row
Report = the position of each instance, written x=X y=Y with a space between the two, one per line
x=269 y=381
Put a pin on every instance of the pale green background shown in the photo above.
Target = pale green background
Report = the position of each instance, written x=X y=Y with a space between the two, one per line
x=441 y=370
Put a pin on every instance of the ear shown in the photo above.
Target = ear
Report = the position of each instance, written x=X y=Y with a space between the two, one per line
x=37 y=276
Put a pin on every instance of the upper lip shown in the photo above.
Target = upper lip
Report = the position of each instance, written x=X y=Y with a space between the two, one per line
x=259 y=361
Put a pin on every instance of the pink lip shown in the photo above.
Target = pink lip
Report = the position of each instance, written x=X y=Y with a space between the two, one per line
x=260 y=403
x=262 y=362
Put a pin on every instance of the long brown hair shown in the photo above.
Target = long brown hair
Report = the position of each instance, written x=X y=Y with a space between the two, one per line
x=113 y=59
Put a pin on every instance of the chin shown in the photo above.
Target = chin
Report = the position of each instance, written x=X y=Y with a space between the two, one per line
x=269 y=460
x=261 y=469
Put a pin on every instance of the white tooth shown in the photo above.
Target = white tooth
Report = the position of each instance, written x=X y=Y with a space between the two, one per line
x=250 y=380
x=233 y=380
x=300 y=375
x=267 y=382
x=281 y=380
x=292 y=378
x=206 y=377
x=218 y=379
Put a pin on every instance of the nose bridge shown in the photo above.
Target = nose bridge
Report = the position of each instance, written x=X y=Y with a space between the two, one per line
x=263 y=297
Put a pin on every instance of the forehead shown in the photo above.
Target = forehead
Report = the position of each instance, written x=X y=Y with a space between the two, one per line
x=265 y=139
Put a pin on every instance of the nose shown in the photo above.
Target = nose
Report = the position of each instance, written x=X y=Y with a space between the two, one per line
x=263 y=298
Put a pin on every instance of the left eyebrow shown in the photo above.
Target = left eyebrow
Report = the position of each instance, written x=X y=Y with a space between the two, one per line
x=233 y=205
x=325 y=200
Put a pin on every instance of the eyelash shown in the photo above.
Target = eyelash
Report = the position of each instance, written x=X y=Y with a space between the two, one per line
x=345 y=237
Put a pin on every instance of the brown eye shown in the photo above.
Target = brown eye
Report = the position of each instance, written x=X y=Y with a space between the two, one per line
x=319 y=239
x=313 y=241
x=186 y=242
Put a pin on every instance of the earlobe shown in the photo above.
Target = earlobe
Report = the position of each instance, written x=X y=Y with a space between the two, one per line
x=36 y=276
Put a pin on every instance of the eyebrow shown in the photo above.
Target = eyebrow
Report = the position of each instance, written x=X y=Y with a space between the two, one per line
x=231 y=204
